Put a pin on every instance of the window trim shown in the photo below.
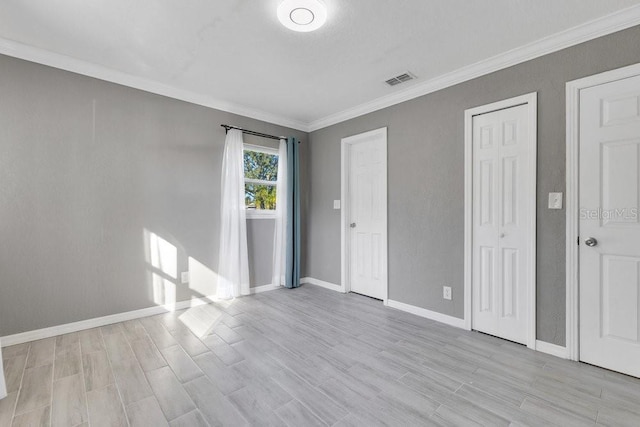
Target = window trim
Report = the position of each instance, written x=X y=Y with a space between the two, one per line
x=261 y=149
x=261 y=213
x=260 y=182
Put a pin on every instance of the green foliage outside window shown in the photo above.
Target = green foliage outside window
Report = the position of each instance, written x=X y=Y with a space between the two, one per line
x=260 y=167
x=260 y=196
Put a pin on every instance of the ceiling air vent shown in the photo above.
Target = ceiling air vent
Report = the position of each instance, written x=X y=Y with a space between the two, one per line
x=400 y=79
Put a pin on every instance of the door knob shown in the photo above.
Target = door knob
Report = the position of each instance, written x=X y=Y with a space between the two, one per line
x=352 y=225
x=591 y=242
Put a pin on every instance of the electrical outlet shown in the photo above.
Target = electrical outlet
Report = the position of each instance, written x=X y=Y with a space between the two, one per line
x=184 y=277
x=336 y=204
x=446 y=292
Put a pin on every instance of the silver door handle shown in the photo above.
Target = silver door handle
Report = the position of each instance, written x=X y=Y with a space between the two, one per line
x=352 y=225
x=591 y=242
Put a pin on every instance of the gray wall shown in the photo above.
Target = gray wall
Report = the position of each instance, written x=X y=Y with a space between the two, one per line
x=86 y=167
x=426 y=180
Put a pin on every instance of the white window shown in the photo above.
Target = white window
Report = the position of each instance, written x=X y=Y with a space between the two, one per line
x=260 y=181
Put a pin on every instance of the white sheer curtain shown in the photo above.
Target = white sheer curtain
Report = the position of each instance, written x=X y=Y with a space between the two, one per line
x=279 y=238
x=233 y=261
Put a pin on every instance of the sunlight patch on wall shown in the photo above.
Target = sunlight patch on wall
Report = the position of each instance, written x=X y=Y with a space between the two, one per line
x=163 y=255
x=202 y=279
x=162 y=259
x=164 y=292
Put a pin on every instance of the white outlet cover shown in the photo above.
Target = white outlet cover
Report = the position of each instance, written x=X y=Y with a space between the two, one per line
x=336 y=204
x=446 y=292
x=555 y=200
x=184 y=277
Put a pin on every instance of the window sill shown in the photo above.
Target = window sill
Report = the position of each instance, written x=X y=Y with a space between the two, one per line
x=257 y=214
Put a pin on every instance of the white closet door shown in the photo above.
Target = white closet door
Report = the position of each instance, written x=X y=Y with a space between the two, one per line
x=502 y=212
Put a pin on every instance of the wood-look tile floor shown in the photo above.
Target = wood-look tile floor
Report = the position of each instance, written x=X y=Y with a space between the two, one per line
x=303 y=357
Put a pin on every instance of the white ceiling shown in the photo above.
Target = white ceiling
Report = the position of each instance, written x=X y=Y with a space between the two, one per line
x=237 y=52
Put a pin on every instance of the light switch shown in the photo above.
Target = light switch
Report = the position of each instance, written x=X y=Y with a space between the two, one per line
x=336 y=204
x=555 y=200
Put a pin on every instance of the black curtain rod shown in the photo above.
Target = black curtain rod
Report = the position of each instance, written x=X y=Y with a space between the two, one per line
x=250 y=132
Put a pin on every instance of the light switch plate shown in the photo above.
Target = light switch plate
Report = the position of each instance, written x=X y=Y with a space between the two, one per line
x=555 y=200
x=336 y=204
x=184 y=277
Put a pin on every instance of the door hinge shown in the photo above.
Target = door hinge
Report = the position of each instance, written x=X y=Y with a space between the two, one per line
x=578 y=242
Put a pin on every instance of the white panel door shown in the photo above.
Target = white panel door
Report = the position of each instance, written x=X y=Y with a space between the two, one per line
x=502 y=213
x=368 y=213
x=609 y=202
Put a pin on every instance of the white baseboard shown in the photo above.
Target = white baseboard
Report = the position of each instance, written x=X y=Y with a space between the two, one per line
x=541 y=346
x=552 y=349
x=114 y=318
x=322 y=284
x=264 y=288
x=68 y=328
x=423 y=312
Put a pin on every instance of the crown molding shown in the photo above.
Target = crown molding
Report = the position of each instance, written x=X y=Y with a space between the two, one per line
x=67 y=63
x=603 y=26
x=590 y=30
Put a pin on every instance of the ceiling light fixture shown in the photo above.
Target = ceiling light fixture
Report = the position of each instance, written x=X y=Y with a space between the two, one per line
x=302 y=15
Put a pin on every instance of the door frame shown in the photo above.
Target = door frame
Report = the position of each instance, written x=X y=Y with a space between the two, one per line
x=573 y=89
x=345 y=285
x=531 y=100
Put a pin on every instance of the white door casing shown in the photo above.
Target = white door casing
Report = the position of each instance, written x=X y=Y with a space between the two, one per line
x=500 y=219
x=609 y=273
x=364 y=214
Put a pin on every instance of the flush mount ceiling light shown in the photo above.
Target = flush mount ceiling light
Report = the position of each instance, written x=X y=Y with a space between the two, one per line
x=302 y=15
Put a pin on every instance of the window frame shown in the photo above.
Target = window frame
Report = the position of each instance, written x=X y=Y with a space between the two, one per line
x=260 y=213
